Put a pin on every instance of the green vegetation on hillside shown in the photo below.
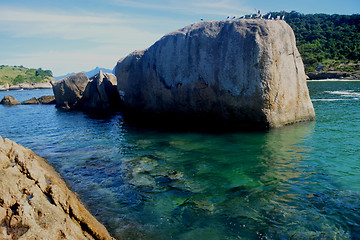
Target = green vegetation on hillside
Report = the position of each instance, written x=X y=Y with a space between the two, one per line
x=327 y=40
x=19 y=74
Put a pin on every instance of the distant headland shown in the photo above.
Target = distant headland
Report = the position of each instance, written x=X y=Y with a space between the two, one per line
x=19 y=77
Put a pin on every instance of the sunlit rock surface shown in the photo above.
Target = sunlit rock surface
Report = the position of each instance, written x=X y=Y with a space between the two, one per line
x=243 y=73
x=35 y=202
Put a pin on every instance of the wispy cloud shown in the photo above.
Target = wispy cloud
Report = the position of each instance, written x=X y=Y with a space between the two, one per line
x=103 y=36
x=21 y=15
x=102 y=29
x=109 y=37
x=203 y=7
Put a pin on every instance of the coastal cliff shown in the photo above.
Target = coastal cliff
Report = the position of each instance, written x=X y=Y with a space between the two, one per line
x=35 y=203
x=241 y=73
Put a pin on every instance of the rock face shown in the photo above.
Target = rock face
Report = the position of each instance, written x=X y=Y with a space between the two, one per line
x=35 y=202
x=101 y=95
x=9 y=100
x=95 y=95
x=68 y=91
x=242 y=72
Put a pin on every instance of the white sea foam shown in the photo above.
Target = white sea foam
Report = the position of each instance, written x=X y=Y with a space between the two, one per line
x=334 y=80
x=329 y=100
x=346 y=93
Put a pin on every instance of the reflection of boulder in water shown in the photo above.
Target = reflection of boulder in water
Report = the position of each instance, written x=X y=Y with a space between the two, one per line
x=254 y=185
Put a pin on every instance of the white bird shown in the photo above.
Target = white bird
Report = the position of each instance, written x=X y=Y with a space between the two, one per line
x=251 y=16
x=278 y=18
x=269 y=16
x=282 y=18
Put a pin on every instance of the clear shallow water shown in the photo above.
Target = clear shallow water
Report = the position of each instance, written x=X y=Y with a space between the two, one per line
x=300 y=181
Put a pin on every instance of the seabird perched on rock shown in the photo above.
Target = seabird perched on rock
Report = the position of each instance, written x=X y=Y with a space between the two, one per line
x=282 y=18
x=259 y=14
x=269 y=16
x=228 y=17
x=278 y=18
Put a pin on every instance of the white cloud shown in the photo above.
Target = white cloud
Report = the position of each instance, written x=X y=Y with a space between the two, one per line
x=22 y=23
x=108 y=36
x=202 y=7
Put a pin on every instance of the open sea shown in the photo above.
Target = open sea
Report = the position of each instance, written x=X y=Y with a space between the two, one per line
x=296 y=182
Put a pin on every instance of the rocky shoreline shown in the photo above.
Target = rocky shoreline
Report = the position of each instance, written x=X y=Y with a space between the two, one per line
x=355 y=75
x=26 y=86
x=10 y=100
x=35 y=203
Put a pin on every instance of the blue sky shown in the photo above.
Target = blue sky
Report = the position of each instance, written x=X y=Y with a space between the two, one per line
x=77 y=35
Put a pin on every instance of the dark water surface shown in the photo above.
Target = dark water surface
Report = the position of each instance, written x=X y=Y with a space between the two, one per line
x=297 y=182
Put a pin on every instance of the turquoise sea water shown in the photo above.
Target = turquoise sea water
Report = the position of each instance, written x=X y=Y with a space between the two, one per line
x=297 y=182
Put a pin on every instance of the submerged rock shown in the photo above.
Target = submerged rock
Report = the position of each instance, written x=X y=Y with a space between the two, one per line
x=35 y=202
x=243 y=73
x=9 y=100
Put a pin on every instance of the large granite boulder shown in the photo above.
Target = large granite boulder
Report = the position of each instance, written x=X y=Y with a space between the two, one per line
x=95 y=95
x=101 y=95
x=35 y=202
x=9 y=100
x=241 y=73
x=68 y=91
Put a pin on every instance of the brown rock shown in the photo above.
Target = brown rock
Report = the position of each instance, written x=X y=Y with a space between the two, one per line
x=9 y=100
x=95 y=95
x=68 y=91
x=101 y=95
x=31 y=101
x=35 y=202
x=46 y=100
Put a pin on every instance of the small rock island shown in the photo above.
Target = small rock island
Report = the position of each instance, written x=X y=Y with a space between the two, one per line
x=241 y=73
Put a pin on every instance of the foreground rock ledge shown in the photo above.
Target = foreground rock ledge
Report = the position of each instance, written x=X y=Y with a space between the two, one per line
x=244 y=72
x=35 y=202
